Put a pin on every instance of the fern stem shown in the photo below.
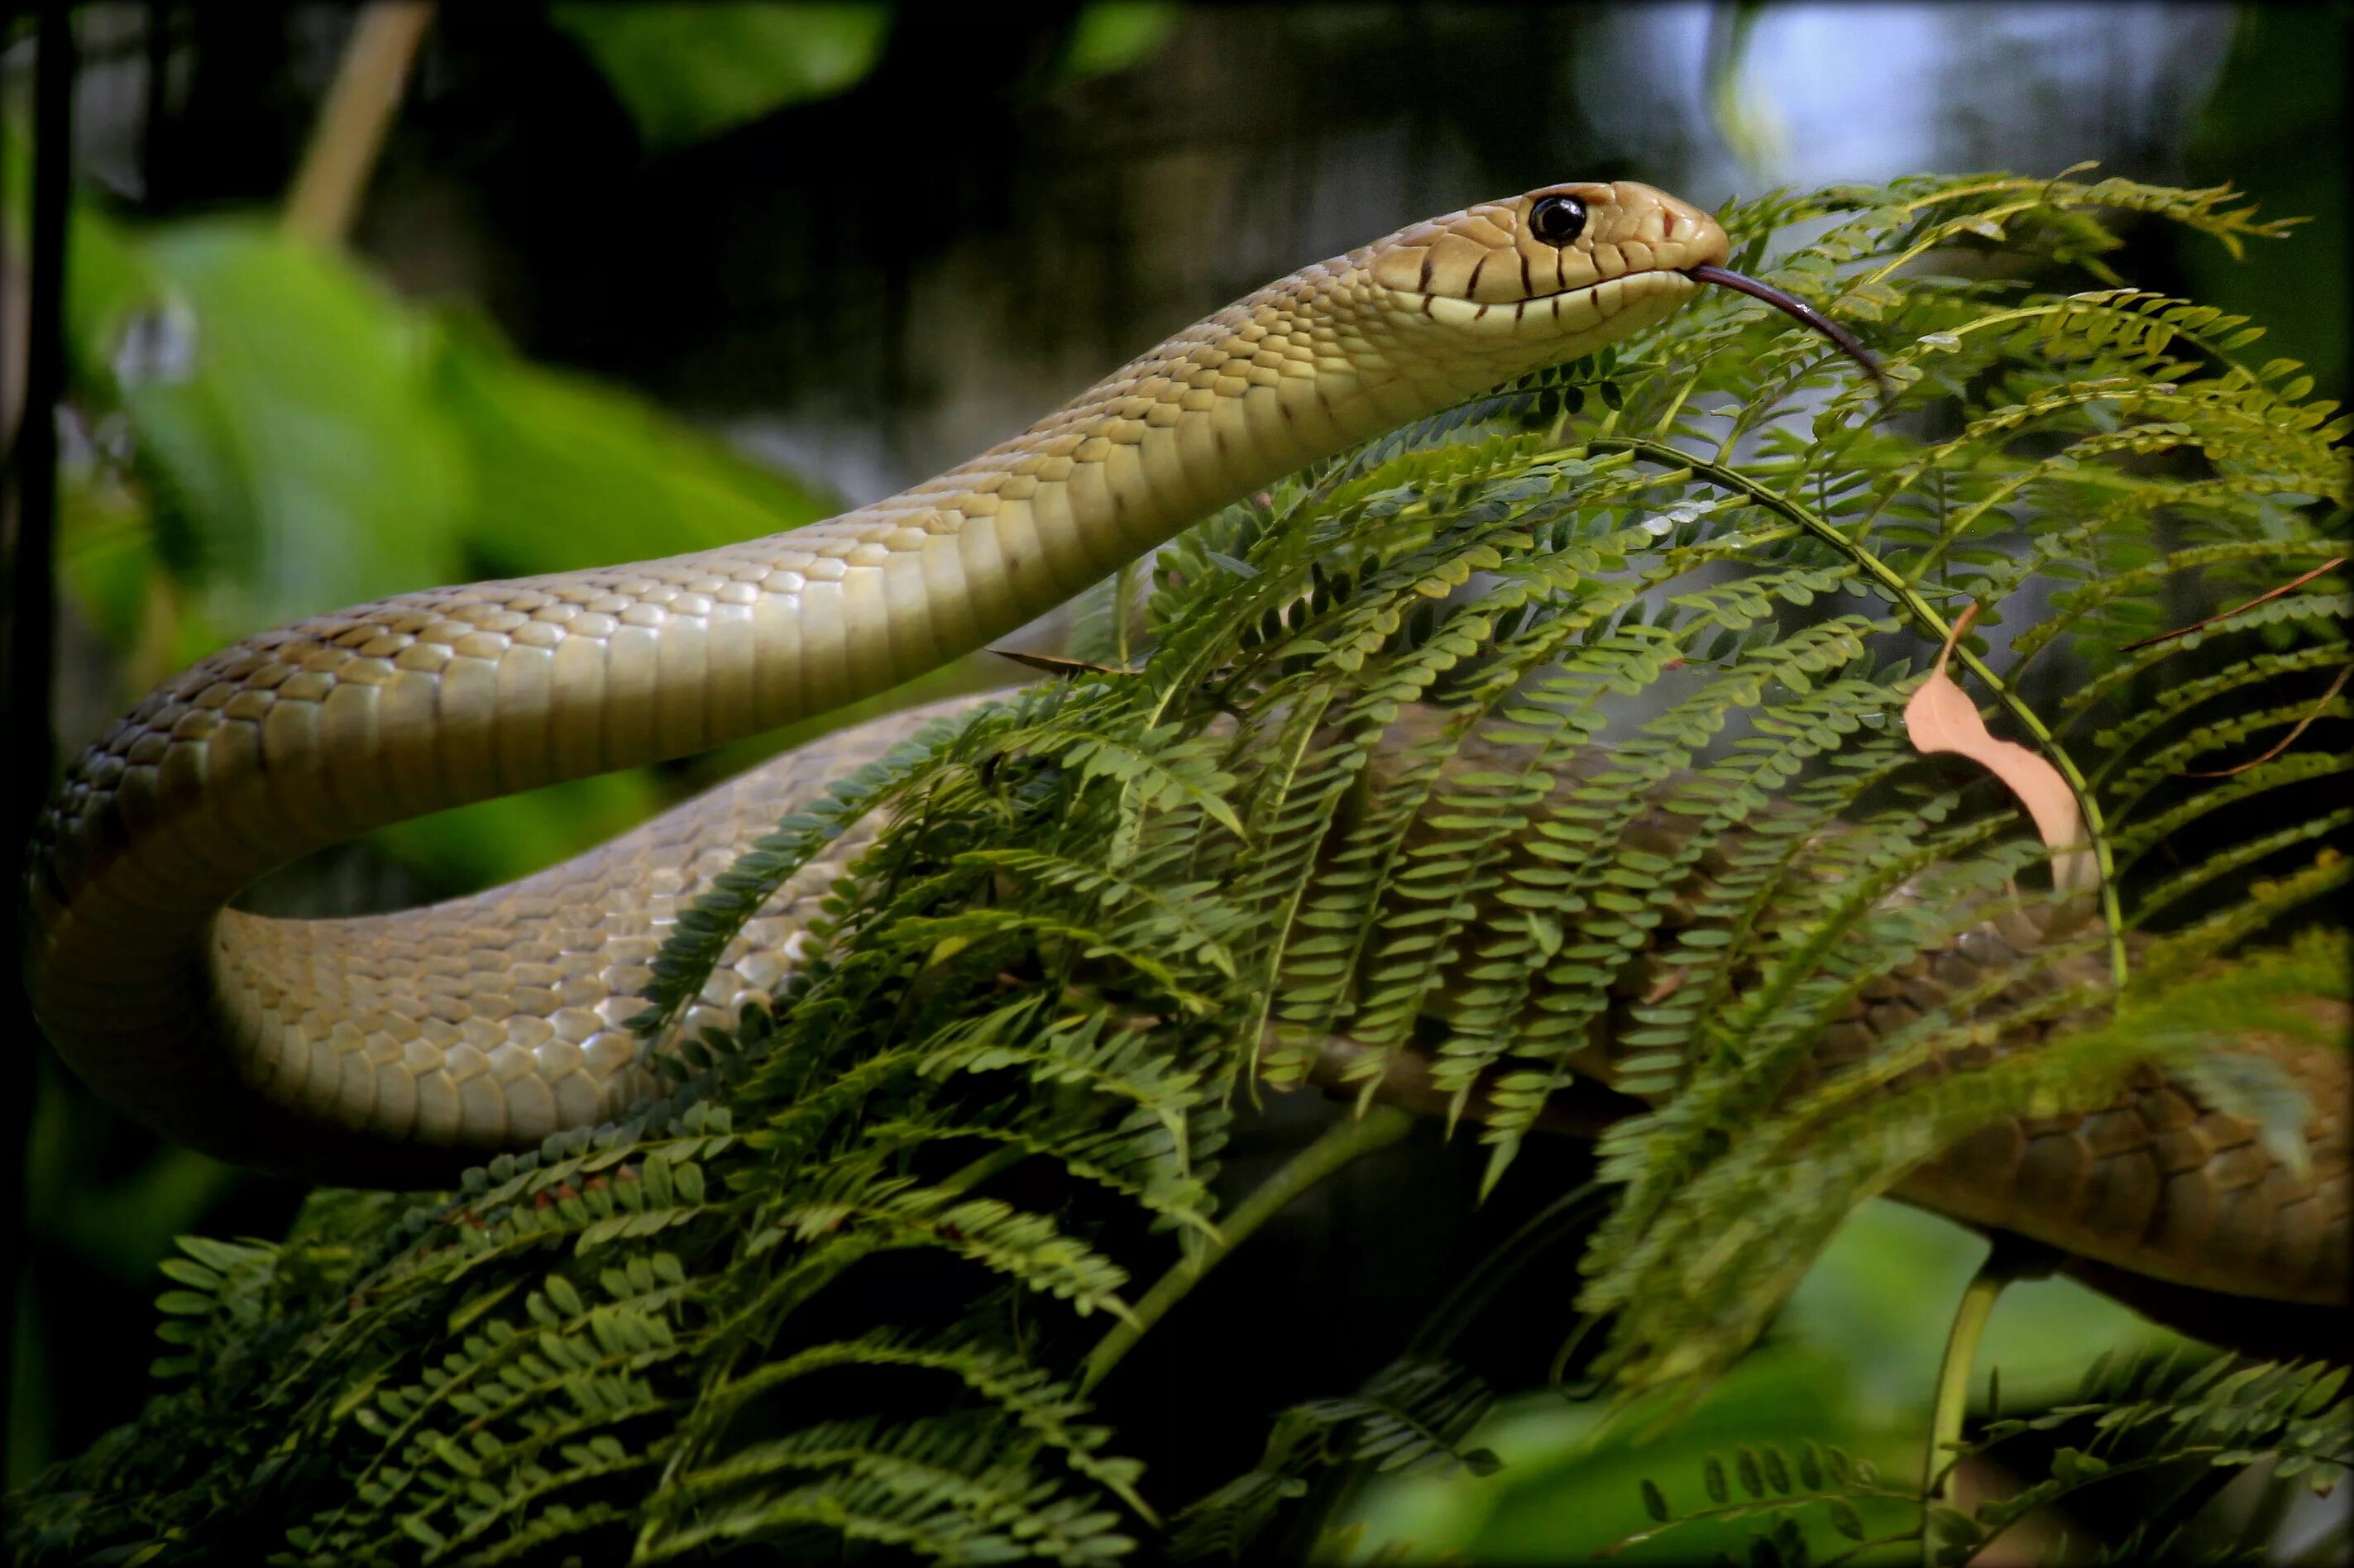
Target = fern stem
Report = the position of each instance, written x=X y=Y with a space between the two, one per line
x=1123 y=610
x=2003 y=1263
x=1342 y=1144
x=1536 y=1235
x=1903 y=593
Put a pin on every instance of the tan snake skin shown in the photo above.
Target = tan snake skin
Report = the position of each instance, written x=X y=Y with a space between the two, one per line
x=397 y=1049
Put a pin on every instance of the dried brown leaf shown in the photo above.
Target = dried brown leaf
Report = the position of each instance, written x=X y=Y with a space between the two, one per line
x=1942 y=718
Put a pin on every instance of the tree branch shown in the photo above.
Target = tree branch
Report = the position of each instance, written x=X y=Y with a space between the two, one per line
x=351 y=125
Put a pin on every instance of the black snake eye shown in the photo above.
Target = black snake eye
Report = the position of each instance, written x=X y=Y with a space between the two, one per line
x=1557 y=219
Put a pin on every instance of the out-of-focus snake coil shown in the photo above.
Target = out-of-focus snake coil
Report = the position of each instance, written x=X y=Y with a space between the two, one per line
x=2159 y=1181
x=399 y=1048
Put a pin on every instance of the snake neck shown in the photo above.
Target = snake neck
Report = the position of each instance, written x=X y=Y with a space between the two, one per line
x=306 y=736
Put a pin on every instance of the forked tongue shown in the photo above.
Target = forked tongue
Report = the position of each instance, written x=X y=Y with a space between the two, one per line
x=1790 y=305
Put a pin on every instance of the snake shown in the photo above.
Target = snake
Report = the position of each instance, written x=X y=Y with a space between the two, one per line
x=395 y=1050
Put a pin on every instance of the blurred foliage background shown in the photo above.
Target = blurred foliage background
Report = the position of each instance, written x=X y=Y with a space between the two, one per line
x=624 y=280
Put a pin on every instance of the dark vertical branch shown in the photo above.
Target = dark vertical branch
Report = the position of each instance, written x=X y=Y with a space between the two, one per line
x=27 y=646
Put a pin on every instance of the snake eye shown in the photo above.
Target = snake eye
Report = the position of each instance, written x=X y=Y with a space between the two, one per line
x=1557 y=219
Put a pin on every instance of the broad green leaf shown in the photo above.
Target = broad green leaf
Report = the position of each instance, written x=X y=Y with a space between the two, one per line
x=687 y=72
x=570 y=473
x=288 y=438
x=280 y=403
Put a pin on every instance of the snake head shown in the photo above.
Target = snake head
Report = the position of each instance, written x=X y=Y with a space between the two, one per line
x=1562 y=270
x=1566 y=267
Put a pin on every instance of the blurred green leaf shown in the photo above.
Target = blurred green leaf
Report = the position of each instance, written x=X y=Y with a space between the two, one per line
x=1572 y=1485
x=106 y=554
x=1745 y=118
x=1883 y=1296
x=1113 y=35
x=1851 y=1363
x=570 y=473
x=284 y=403
x=275 y=435
x=690 y=71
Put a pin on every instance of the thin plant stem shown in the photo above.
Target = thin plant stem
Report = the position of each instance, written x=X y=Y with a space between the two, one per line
x=2222 y=615
x=1536 y=1235
x=352 y=123
x=2003 y=1264
x=1954 y=1378
x=1123 y=606
x=1342 y=1144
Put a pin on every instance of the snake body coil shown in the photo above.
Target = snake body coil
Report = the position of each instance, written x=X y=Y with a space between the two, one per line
x=345 y=1048
x=399 y=1048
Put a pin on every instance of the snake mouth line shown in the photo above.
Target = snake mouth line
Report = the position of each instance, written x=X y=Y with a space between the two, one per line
x=1799 y=310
